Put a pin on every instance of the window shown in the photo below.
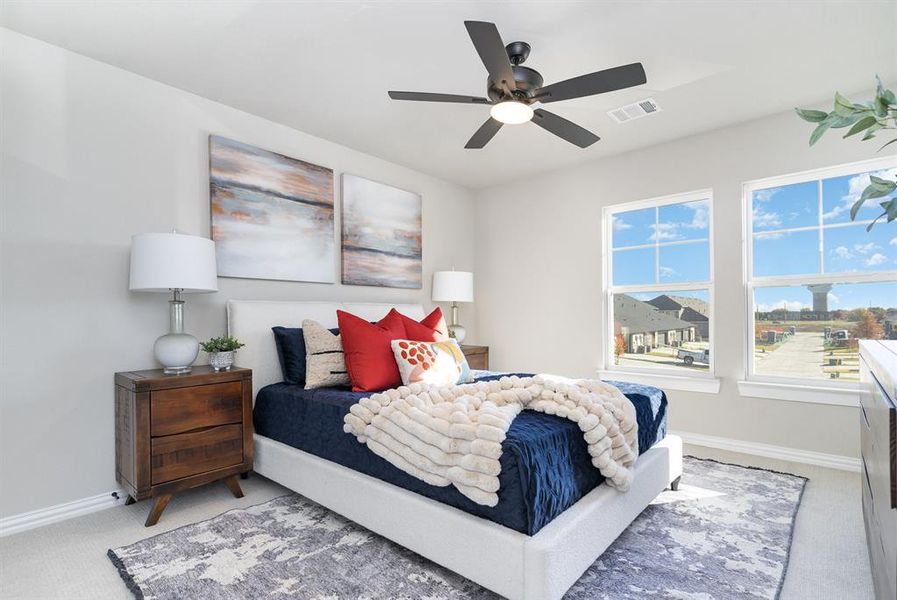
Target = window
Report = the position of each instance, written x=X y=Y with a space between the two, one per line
x=817 y=282
x=658 y=285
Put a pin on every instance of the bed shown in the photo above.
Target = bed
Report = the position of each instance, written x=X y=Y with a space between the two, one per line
x=553 y=519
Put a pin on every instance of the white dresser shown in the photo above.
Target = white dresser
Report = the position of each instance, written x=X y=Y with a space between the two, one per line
x=878 y=423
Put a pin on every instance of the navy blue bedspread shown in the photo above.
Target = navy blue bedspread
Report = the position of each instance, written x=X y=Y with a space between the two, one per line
x=545 y=465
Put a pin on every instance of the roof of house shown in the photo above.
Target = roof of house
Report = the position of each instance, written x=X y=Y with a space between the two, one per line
x=641 y=317
x=692 y=316
x=667 y=302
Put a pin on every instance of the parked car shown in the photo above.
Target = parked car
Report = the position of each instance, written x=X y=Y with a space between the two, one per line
x=690 y=357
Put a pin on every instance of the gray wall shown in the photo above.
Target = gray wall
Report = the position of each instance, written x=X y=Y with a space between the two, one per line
x=539 y=269
x=90 y=155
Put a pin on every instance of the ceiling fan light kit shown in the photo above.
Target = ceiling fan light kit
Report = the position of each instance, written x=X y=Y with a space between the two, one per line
x=511 y=112
x=512 y=89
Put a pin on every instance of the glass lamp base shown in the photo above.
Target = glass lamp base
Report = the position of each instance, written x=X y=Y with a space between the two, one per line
x=458 y=332
x=177 y=370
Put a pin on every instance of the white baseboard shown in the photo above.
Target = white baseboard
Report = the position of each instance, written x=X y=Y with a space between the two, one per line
x=60 y=512
x=820 y=459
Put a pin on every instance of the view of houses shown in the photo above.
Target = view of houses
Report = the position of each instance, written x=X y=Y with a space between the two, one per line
x=667 y=330
x=806 y=339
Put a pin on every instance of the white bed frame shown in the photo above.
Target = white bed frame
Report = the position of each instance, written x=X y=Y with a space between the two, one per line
x=512 y=564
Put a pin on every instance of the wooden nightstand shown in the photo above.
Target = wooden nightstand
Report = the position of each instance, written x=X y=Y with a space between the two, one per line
x=477 y=356
x=175 y=432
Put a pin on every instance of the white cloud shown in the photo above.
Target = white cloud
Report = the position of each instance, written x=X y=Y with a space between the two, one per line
x=667 y=271
x=786 y=304
x=664 y=231
x=876 y=259
x=865 y=248
x=765 y=195
x=842 y=252
x=893 y=242
x=762 y=218
x=833 y=299
x=700 y=215
x=619 y=224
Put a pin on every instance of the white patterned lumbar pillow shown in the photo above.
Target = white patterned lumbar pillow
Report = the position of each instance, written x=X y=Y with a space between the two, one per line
x=325 y=364
x=435 y=363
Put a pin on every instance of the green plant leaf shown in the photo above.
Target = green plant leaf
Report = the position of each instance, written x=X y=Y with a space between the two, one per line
x=890 y=208
x=843 y=106
x=838 y=121
x=817 y=133
x=890 y=97
x=882 y=92
x=855 y=209
x=878 y=188
x=872 y=224
x=860 y=125
x=813 y=116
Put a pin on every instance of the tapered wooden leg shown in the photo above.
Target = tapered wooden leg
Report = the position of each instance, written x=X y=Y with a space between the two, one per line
x=674 y=485
x=129 y=500
x=233 y=485
x=156 y=511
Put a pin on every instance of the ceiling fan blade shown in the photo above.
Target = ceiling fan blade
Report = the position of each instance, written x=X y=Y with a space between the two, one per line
x=563 y=128
x=492 y=52
x=599 y=82
x=428 y=97
x=485 y=133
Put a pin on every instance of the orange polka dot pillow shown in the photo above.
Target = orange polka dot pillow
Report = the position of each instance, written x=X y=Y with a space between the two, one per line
x=436 y=363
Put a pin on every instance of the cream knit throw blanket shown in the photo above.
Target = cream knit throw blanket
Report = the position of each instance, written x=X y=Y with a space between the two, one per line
x=453 y=434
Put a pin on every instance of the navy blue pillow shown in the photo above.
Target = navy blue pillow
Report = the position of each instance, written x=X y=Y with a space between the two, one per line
x=292 y=353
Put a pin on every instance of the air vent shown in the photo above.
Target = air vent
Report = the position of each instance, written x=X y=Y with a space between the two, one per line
x=634 y=111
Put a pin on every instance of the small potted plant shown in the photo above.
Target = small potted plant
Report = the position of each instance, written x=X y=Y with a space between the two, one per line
x=221 y=351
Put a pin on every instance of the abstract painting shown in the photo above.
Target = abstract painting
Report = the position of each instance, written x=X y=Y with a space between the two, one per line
x=381 y=234
x=272 y=215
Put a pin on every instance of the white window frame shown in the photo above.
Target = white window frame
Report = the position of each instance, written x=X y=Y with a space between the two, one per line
x=669 y=378
x=800 y=389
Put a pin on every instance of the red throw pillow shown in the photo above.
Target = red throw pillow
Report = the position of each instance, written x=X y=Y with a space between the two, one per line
x=369 y=357
x=431 y=329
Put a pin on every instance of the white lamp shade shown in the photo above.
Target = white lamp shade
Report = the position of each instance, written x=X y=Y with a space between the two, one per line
x=164 y=261
x=452 y=286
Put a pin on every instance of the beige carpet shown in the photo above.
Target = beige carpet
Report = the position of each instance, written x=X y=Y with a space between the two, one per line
x=68 y=559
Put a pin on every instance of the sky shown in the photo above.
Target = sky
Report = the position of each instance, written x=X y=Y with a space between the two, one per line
x=663 y=229
x=674 y=246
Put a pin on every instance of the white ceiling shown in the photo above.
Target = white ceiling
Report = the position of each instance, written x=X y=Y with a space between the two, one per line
x=325 y=67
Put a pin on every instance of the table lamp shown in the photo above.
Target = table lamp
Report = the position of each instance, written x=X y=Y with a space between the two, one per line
x=180 y=264
x=454 y=287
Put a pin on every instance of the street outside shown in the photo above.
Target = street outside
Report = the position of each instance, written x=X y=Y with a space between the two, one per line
x=664 y=357
x=804 y=355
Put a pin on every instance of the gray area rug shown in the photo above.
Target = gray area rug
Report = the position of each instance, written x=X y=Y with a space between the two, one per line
x=725 y=534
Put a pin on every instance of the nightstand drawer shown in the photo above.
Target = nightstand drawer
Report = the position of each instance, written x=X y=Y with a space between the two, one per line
x=186 y=409
x=185 y=454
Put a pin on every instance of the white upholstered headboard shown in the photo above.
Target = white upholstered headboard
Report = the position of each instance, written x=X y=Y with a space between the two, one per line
x=251 y=321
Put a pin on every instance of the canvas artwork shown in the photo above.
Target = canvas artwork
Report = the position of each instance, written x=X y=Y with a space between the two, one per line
x=381 y=234
x=272 y=215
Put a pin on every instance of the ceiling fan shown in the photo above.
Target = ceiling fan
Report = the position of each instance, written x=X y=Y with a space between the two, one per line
x=512 y=89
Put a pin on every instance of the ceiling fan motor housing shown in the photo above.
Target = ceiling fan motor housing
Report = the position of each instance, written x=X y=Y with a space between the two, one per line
x=527 y=80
